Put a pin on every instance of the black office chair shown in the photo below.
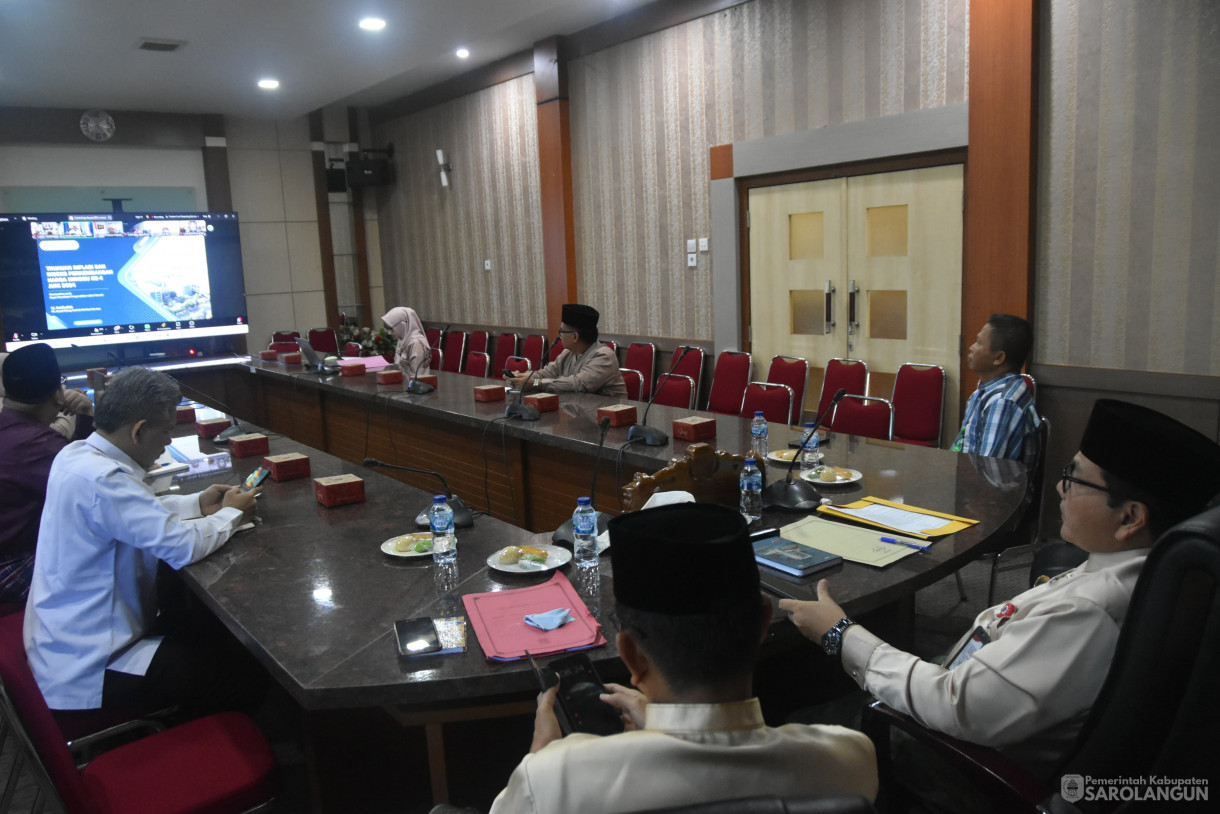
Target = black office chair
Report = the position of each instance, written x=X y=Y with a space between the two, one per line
x=838 y=804
x=1158 y=711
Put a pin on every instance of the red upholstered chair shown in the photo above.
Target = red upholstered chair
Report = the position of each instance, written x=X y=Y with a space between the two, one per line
x=792 y=371
x=517 y=364
x=437 y=359
x=434 y=337
x=850 y=374
x=532 y=349
x=506 y=346
x=478 y=363
x=216 y=764
x=351 y=349
x=613 y=347
x=642 y=356
x=324 y=340
x=691 y=365
x=284 y=347
x=1033 y=385
x=285 y=336
x=775 y=400
x=455 y=351
x=919 y=400
x=676 y=390
x=729 y=381
x=868 y=416
x=634 y=380
x=477 y=341
x=553 y=353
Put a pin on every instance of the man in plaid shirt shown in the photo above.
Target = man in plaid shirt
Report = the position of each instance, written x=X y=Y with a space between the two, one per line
x=1000 y=414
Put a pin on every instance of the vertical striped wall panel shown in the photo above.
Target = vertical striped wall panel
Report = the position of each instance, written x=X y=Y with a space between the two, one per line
x=1128 y=248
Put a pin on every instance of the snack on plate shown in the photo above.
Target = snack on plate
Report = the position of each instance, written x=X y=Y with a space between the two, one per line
x=510 y=555
x=419 y=543
x=828 y=474
x=532 y=554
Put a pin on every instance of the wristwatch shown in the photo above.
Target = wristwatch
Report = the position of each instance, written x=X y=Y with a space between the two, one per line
x=832 y=640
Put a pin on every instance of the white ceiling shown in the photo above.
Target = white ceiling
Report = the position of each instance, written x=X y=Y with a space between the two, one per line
x=83 y=53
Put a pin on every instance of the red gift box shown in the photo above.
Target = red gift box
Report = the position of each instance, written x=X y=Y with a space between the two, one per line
x=268 y=355
x=212 y=427
x=694 y=428
x=291 y=358
x=545 y=402
x=338 y=490
x=620 y=415
x=427 y=378
x=489 y=392
x=389 y=377
x=354 y=369
x=253 y=443
x=289 y=466
x=186 y=414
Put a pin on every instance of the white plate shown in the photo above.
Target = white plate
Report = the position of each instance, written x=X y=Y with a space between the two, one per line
x=555 y=557
x=840 y=480
x=787 y=456
x=388 y=545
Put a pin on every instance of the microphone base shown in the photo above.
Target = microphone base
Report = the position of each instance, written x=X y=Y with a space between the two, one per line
x=419 y=388
x=525 y=412
x=462 y=518
x=223 y=437
x=563 y=535
x=797 y=496
x=650 y=436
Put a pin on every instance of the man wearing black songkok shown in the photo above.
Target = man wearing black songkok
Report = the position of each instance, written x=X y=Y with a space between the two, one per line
x=694 y=731
x=1044 y=655
x=585 y=365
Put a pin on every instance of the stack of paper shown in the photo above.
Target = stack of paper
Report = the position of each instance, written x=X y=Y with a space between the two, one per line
x=498 y=619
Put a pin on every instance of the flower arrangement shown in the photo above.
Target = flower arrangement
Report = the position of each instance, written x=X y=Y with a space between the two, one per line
x=372 y=343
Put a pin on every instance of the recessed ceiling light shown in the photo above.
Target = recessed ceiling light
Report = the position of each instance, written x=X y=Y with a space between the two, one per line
x=372 y=23
x=462 y=53
x=268 y=84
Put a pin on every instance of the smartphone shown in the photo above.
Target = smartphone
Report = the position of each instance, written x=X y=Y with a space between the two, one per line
x=416 y=636
x=255 y=478
x=578 y=707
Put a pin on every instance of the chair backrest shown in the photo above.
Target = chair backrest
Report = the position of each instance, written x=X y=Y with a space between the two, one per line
x=455 y=351
x=868 y=416
x=477 y=341
x=436 y=359
x=555 y=349
x=729 y=380
x=634 y=381
x=676 y=390
x=532 y=349
x=478 y=363
x=611 y=345
x=919 y=400
x=1158 y=711
x=792 y=371
x=775 y=400
x=850 y=374
x=642 y=356
x=434 y=337
x=517 y=364
x=711 y=475
x=284 y=347
x=690 y=365
x=506 y=346
x=1033 y=385
x=324 y=340
x=351 y=349
x=285 y=336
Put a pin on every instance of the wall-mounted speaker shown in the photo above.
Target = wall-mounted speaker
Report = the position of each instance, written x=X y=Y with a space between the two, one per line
x=369 y=172
x=336 y=180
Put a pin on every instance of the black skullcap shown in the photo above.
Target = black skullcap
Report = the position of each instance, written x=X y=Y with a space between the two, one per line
x=682 y=559
x=580 y=316
x=1153 y=452
x=31 y=373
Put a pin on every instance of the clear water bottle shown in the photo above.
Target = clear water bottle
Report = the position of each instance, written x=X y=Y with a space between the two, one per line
x=584 y=533
x=444 y=541
x=809 y=458
x=751 y=490
x=759 y=445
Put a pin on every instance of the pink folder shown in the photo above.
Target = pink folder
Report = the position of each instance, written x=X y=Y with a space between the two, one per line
x=498 y=619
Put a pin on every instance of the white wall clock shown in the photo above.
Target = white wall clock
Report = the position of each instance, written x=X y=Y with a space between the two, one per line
x=97 y=125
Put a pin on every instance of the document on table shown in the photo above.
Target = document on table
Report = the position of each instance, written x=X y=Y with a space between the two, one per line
x=370 y=362
x=886 y=514
x=498 y=619
x=849 y=542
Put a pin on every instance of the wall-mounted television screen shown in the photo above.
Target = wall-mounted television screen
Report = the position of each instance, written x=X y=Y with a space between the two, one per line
x=82 y=279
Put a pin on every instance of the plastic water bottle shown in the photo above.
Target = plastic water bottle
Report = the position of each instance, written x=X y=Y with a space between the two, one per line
x=759 y=445
x=584 y=533
x=809 y=458
x=444 y=541
x=751 y=490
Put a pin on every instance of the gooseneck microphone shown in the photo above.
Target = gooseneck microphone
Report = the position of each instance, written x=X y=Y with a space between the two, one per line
x=565 y=533
x=519 y=409
x=225 y=435
x=462 y=518
x=799 y=495
x=651 y=436
x=414 y=385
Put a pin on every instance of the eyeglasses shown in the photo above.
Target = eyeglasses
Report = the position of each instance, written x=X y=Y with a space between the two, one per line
x=1068 y=480
x=568 y=331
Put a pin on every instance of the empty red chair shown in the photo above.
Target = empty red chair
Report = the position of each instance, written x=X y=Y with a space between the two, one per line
x=919 y=400
x=351 y=349
x=517 y=364
x=506 y=346
x=455 y=351
x=477 y=341
x=792 y=371
x=532 y=349
x=868 y=416
x=437 y=359
x=324 y=341
x=478 y=363
x=691 y=365
x=775 y=400
x=676 y=390
x=634 y=381
x=434 y=337
x=642 y=356
x=850 y=374
x=285 y=336
x=284 y=347
x=729 y=380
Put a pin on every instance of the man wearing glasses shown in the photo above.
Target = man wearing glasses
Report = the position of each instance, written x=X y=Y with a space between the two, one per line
x=1023 y=679
x=585 y=365
x=34 y=399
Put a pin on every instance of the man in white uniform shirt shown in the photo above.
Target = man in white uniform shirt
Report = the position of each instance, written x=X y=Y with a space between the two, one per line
x=1025 y=676
x=92 y=614
x=691 y=619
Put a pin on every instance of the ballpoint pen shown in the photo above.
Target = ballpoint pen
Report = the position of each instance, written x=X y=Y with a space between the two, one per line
x=915 y=546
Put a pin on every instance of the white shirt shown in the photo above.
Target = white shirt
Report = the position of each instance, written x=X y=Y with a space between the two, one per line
x=1028 y=691
x=93 y=594
x=690 y=753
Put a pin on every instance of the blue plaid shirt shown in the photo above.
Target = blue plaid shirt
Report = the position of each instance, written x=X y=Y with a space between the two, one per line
x=999 y=416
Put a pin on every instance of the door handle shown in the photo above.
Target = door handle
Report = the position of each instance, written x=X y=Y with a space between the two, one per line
x=828 y=308
x=853 y=321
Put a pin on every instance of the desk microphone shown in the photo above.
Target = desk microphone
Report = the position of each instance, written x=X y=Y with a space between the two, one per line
x=565 y=534
x=462 y=518
x=785 y=494
x=414 y=385
x=519 y=409
x=223 y=437
x=651 y=436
